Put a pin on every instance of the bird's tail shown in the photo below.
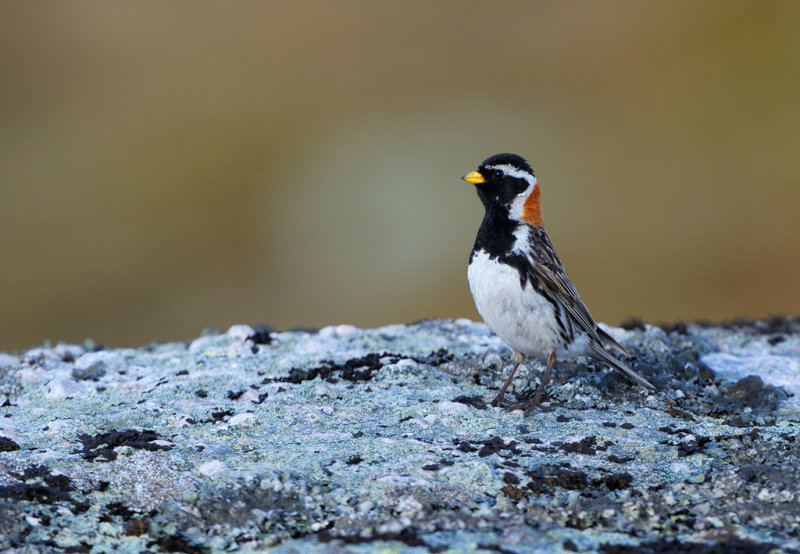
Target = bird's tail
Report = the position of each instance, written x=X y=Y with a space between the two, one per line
x=601 y=354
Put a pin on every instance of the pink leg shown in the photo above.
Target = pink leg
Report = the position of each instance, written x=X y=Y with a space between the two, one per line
x=551 y=361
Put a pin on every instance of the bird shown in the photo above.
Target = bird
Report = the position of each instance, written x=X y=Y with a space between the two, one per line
x=519 y=284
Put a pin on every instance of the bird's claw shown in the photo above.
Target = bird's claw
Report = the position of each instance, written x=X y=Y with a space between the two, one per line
x=500 y=401
x=527 y=407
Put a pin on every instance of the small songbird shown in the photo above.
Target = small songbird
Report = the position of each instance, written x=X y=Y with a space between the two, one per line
x=519 y=285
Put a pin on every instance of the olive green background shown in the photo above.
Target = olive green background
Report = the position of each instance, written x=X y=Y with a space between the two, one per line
x=171 y=166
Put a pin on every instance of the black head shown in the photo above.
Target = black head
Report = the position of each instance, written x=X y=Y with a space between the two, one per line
x=517 y=162
x=500 y=179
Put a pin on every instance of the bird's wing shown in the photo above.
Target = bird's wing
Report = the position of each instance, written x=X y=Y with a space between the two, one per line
x=550 y=272
x=547 y=268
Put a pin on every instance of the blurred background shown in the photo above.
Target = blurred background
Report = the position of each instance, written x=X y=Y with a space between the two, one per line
x=171 y=166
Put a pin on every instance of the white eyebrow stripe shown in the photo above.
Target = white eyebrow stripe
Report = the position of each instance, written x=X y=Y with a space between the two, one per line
x=512 y=171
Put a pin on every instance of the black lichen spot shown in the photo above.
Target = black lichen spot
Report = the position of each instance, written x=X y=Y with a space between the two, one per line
x=679 y=328
x=262 y=335
x=615 y=481
x=46 y=488
x=102 y=445
x=633 y=324
x=672 y=430
x=562 y=419
x=8 y=445
x=510 y=479
x=536 y=485
x=81 y=548
x=587 y=446
x=41 y=494
x=627 y=426
x=474 y=401
x=435 y=358
x=217 y=416
x=176 y=543
x=618 y=460
x=354 y=460
x=569 y=545
x=495 y=445
x=569 y=479
x=776 y=339
x=356 y=370
x=200 y=393
x=432 y=467
x=549 y=476
x=495 y=548
x=732 y=545
x=464 y=446
x=235 y=395
x=119 y=509
x=59 y=481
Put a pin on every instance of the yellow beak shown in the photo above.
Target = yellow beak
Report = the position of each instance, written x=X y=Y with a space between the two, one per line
x=474 y=178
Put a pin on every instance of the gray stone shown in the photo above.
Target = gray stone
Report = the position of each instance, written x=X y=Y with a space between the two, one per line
x=360 y=440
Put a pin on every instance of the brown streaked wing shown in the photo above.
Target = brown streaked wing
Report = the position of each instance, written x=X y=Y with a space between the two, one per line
x=550 y=272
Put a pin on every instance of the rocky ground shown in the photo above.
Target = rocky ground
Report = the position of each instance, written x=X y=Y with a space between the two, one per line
x=350 y=440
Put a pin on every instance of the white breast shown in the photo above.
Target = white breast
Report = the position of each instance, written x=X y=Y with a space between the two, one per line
x=522 y=318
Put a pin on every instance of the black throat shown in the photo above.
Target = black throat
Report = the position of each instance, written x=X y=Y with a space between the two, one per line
x=496 y=234
x=496 y=238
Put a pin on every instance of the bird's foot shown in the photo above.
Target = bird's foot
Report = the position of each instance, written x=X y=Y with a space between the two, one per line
x=500 y=401
x=529 y=406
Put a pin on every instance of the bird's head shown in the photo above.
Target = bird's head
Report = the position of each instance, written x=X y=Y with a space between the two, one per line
x=506 y=182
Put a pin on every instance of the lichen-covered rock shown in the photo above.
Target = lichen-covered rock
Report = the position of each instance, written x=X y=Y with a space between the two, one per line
x=350 y=439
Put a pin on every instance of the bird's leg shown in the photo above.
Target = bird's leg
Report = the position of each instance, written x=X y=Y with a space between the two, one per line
x=500 y=398
x=551 y=361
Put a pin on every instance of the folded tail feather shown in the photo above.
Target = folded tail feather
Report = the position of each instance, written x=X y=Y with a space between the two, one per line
x=601 y=354
x=611 y=342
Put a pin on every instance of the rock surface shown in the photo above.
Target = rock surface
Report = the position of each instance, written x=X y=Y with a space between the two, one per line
x=360 y=440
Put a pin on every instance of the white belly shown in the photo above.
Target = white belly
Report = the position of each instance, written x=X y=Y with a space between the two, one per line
x=522 y=318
